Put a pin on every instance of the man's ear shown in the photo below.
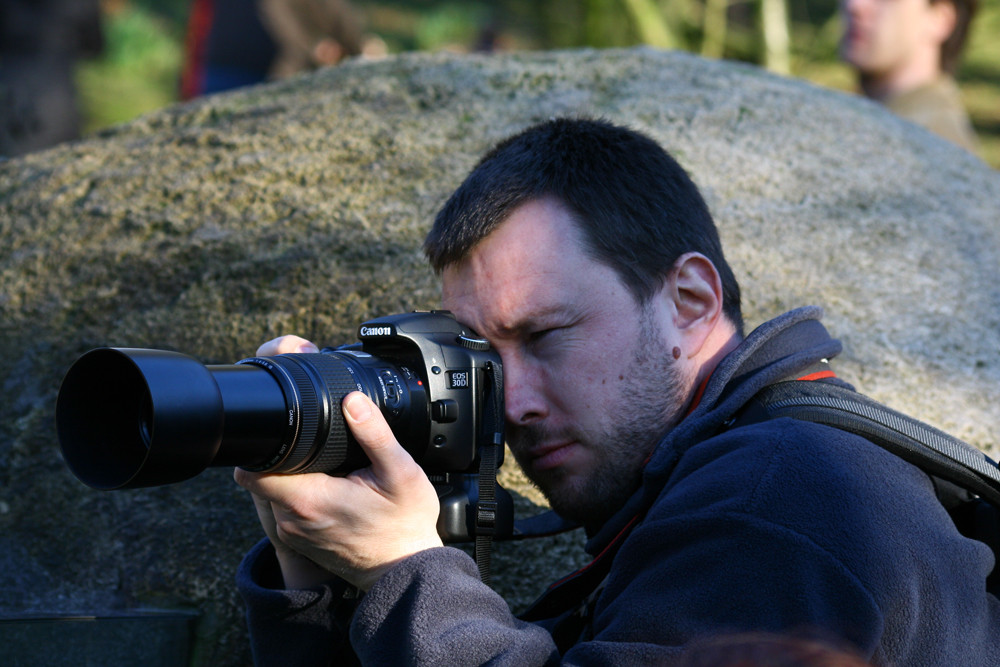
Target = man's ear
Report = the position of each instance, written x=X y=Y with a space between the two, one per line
x=944 y=17
x=696 y=289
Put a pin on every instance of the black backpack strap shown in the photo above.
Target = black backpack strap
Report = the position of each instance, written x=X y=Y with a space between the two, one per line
x=937 y=453
x=957 y=469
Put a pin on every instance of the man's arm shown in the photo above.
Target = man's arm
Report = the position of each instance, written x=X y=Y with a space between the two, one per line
x=294 y=627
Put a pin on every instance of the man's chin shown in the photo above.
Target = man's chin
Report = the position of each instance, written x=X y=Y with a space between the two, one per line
x=848 y=57
x=555 y=490
x=574 y=503
x=852 y=53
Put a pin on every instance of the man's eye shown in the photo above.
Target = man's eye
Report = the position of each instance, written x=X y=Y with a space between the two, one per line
x=537 y=336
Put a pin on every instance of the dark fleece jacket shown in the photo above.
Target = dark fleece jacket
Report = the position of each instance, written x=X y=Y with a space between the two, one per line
x=781 y=526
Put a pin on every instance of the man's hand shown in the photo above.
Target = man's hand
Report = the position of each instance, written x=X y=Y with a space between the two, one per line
x=356 y=526
x=287 y=345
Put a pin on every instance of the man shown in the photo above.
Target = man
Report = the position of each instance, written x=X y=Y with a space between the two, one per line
x=235 y=43
x=906 y=53
x=587 y=257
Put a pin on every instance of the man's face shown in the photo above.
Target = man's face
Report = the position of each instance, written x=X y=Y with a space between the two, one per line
x=882 y=36
x=590 y=381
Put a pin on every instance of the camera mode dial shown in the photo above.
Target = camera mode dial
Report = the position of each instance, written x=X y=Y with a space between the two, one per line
x=470 y=343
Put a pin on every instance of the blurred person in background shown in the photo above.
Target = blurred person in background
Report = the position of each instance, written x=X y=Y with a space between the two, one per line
x=906 y=53
x=40 y=43
x=234 y=43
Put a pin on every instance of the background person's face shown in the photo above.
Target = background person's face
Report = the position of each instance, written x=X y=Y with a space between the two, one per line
x=881 y=36
x=590 y=382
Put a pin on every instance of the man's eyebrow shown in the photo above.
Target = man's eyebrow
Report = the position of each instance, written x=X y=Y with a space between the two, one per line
x=532 y=319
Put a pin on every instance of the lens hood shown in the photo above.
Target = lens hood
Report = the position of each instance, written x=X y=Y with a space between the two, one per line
x=132 y=417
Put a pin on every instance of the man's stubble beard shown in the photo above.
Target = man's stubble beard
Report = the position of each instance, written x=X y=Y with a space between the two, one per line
x=649 y=404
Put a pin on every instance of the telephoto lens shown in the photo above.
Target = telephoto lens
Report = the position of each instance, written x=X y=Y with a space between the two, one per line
x=131 y=417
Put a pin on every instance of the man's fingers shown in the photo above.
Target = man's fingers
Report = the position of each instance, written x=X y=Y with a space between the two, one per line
x=374 y=435
x=286 y=345
x=270 y=488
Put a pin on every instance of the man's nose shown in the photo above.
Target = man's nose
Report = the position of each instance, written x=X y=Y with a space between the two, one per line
x=853 y=7
x=524 y=398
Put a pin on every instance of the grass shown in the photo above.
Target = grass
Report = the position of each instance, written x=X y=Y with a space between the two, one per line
x=979 y=78
x=138 y=72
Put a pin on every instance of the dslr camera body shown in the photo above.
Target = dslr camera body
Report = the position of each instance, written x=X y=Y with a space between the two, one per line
x=129 y=418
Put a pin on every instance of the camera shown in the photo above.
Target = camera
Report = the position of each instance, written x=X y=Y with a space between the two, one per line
x=129 y=418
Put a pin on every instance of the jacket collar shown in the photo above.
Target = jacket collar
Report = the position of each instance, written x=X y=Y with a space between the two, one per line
x=777 y=349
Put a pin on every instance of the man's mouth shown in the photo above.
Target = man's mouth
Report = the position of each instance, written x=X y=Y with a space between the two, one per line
x=854 y=36
x=549 y=456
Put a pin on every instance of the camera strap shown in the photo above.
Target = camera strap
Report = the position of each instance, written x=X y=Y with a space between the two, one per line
x=486 y=505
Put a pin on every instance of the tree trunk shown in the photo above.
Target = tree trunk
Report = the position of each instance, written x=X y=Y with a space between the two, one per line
x=774 y=17
x=651 y=24
x=713 y=44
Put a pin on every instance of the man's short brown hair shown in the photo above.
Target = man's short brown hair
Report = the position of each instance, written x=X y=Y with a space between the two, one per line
x=951 y=50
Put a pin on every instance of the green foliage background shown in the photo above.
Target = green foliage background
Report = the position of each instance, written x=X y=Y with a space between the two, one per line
x=140 y=67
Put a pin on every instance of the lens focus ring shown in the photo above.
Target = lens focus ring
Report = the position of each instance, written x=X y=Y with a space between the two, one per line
x=307 y=407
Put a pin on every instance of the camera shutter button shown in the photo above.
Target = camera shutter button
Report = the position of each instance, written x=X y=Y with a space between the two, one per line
x=444 y=411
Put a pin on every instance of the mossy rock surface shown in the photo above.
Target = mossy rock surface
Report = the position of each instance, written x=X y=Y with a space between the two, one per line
x=301 y=206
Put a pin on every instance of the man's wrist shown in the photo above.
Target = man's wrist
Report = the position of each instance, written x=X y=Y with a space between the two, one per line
x=298 y=572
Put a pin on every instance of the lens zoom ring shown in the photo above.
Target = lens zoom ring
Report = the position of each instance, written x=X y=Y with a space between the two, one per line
x=338 y=448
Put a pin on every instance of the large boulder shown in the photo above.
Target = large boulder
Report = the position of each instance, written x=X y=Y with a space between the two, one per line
x=300 y=207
